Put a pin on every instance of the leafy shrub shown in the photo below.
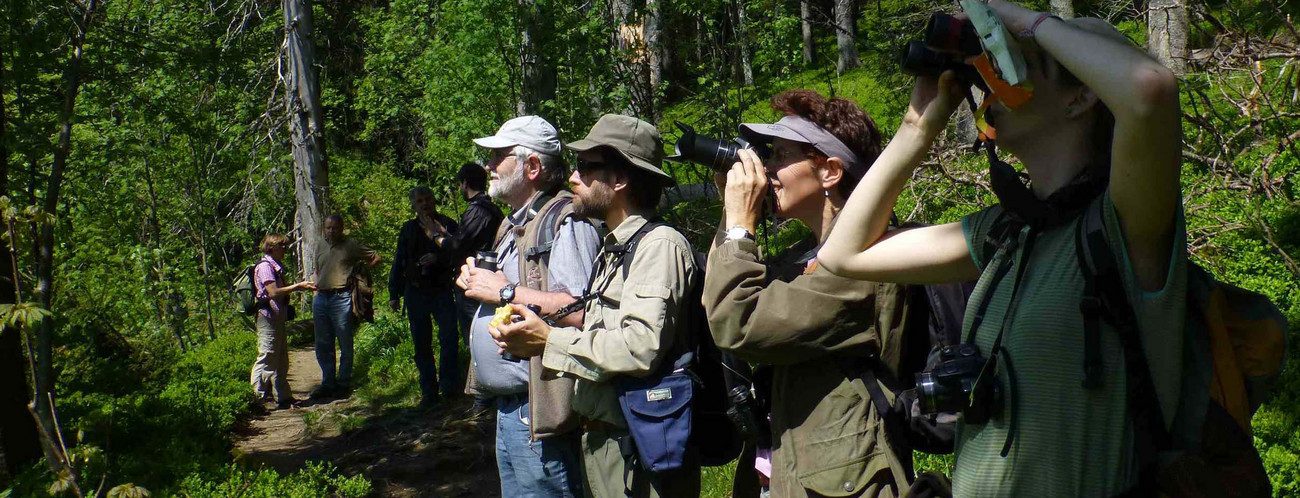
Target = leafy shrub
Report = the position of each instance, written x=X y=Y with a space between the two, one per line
x=314 y=480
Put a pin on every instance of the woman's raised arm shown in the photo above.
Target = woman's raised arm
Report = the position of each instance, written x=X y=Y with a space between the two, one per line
x=859 y=246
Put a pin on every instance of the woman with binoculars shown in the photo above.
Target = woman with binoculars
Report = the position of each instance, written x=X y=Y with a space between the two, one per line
x=1100 y=133
x=797 y=320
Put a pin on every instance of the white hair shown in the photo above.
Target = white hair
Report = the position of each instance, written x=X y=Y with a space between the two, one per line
x=554 y=171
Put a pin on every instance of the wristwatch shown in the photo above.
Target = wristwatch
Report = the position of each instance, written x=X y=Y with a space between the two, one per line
x=738 y=232
x=507 y=293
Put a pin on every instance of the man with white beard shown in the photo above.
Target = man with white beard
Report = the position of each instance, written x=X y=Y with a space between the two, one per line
x=545 y=256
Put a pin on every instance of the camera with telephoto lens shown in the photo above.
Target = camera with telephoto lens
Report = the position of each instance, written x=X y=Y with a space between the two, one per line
x=717 y=154
x=951 y=386
x=744 y=413
x=487 y=260
x=945 y=45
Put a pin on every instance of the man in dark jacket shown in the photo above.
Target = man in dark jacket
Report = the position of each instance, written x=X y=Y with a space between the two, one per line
x=423 y=272
x=478 y=228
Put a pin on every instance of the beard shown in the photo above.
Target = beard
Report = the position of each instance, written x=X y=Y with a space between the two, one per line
x=506 y=187
x=595 y=202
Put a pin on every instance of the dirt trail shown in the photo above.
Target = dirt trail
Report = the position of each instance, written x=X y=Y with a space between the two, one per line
x=405 y=452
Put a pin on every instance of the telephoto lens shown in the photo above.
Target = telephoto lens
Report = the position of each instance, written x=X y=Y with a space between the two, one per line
x=717 y=154
x=486 y=260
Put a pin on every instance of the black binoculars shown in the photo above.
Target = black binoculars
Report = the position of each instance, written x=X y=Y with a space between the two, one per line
x=946 y=43
x=715 y=153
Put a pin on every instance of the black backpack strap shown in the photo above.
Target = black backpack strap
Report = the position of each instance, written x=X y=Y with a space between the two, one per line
x=1104 y=298
x=873 y=371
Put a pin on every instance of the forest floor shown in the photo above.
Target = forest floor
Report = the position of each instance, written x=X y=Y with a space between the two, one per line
x=403 y=451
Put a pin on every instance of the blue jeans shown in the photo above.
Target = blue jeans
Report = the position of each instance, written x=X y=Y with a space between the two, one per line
x=332 y=319
x=546 y=468
x=423 y=309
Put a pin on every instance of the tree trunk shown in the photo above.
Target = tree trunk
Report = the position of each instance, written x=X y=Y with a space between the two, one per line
x=654 y=53
x=845 y=35
x=630 y=49
x=306 y=131
x=539 y=79
x=1063 y=8
x=1167 y=33
x=742 y=28
x=44 y=368
x=805 y=22
x=155 y=232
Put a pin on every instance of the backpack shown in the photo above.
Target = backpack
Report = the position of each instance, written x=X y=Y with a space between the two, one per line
x=1235 y=348
x=245 y=291
x=362 y=291
x=713 y=374
x=934 y=320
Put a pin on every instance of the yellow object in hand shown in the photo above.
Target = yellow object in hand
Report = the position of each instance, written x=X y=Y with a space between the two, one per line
x=502 y=316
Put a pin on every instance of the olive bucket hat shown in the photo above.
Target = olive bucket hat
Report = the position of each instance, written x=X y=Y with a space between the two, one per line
x=635 y=140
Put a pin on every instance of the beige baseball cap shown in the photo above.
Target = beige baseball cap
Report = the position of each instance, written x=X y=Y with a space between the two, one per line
x=529 y=131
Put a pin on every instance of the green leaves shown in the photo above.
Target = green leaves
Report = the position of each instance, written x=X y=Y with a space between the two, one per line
x=23 y=315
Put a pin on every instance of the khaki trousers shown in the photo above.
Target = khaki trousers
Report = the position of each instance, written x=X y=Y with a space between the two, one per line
x=271 y=370
x=608 y=476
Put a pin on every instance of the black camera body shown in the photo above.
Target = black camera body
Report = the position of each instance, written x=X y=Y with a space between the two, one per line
x=715 y=153
x=950 y=386
x=945 y=44
x=748 y=417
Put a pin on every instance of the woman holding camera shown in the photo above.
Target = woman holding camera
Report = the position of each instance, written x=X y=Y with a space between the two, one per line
x=814 y=330
x=1101 y=132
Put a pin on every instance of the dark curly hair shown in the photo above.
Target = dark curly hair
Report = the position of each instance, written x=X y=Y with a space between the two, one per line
x=843 y=118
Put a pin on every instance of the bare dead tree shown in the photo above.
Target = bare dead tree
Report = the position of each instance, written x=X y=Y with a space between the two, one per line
x=306 y=131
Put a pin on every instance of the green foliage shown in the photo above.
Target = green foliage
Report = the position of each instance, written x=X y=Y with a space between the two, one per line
x=180 y=164
x=314 y=480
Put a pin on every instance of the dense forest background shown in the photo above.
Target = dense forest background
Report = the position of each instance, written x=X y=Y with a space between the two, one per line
x=147 y=145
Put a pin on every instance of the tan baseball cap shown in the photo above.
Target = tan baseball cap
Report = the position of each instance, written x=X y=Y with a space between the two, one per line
x=635 y=140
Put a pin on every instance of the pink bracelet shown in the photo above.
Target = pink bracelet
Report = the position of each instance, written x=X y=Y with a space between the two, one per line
x=1033 y=29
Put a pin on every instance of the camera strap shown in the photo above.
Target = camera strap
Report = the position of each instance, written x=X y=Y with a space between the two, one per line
x=1012 y=255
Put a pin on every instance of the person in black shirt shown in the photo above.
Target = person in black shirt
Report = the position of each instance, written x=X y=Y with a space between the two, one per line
x=477 y=232
x=424 y=273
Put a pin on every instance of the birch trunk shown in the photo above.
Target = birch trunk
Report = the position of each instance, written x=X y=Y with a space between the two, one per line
x=306 y=132
x=805 y=22
x=746 y=56
x=845 y=35
x=1167 y=33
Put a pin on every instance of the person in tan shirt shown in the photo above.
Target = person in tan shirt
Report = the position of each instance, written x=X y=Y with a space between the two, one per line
x=633 y=324
x=332 y=308
x=811 y=329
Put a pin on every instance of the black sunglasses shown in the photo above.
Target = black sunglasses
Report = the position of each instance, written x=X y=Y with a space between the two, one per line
x=583 y=165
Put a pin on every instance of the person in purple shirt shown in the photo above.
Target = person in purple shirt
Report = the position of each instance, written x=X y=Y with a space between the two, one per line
x=271 y=370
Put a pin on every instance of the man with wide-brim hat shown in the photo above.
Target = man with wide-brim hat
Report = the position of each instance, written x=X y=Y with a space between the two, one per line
x=635 y=329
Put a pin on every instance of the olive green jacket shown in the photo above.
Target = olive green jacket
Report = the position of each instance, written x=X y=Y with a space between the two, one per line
x=808 y=324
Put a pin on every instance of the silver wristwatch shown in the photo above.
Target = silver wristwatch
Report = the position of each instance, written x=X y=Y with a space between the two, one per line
x=738 y=232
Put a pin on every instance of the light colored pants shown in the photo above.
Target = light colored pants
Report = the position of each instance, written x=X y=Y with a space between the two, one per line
x=272 y=366
x=608 y=475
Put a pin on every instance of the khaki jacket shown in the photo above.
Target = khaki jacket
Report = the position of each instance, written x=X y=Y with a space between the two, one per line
x=632 y=326
x=827 y=437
